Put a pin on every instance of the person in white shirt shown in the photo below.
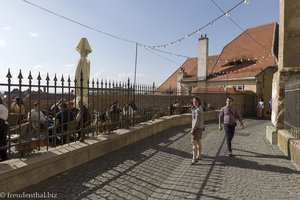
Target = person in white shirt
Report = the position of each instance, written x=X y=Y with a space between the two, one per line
x=260 y=108
x=37 y=117
x=3 y=130
x=128 y=111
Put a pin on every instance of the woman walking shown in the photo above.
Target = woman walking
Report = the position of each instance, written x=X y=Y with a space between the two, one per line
x=197 y=129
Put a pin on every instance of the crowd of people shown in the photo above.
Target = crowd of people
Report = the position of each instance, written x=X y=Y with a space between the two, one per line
x=54 y=122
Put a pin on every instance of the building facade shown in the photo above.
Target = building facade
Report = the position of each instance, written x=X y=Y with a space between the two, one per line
x=247 y=63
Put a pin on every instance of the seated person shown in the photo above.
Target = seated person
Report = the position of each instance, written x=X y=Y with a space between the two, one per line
x=84 y=113
x=18 y=107
x=128 y=112
x=62 y=118
x=114 y=114
x=73 y=108
x=37 y=118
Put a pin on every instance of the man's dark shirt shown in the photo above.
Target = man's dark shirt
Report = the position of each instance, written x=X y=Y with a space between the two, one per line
x=65 y=116
x=86 y=116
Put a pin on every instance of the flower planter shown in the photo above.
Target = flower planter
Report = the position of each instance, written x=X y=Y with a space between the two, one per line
x=30 y=145
x=104 y=128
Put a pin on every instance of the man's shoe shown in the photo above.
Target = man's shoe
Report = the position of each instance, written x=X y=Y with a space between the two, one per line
x=230 y=153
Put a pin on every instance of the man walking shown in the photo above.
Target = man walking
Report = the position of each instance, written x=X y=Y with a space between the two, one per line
x=227 y=117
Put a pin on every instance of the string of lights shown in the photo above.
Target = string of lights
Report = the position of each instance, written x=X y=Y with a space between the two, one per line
x=166 y=52
x=236 y=24
x=244 y=70
x=131 y=41
x=238 y=60
x=157 y=47
x=201 y=28
x=151 y=51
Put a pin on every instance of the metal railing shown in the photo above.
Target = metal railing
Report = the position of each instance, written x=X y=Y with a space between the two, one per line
x=292 y=109
x=111 y=105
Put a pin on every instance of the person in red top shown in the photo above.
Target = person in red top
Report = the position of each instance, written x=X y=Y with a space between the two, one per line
x=227 y=117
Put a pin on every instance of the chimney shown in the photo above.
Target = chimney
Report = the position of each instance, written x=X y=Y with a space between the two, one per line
x=202 y=57
x=181 y=75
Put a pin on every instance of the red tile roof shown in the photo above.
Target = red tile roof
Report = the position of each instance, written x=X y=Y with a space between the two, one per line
x=228 y=90
x=245 y=57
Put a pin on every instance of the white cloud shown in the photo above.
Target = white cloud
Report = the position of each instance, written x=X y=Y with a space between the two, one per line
x=100 y=74
x=2 y=43
x=7 y=28
x=37 y=67
x=33 y=35
x=69 y=66
x=124 y=76
x=40 y=68
x=140 y=75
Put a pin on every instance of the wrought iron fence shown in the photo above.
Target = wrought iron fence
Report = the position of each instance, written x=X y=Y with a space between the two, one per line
x=111 y=105
x=292 y=109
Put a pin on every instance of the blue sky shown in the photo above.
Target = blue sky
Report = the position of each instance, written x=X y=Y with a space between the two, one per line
x=37 y=41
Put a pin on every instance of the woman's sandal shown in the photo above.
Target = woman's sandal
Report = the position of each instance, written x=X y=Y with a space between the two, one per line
x=194 y=161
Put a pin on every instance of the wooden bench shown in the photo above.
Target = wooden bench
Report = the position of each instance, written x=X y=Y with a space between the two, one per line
x=64 y=137
x=25 y=141
x=13 y=119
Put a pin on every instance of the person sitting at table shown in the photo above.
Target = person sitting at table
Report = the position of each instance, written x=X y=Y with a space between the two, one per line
x=37 y=118
x=18 y=107
x=83 y=116
x=61 y=120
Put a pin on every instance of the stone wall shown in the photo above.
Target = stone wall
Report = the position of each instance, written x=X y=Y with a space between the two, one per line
x=16 y=174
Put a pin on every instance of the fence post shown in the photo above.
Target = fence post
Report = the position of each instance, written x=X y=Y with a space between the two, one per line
x=8 y=76
x=81 y=105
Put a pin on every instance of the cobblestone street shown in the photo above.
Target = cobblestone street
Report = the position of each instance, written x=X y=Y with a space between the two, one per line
x=160 y=167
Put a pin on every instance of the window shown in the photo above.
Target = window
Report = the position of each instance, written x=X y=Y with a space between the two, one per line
x=238 y=87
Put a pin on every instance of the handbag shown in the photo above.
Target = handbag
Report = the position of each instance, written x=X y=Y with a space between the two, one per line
x=234 y=116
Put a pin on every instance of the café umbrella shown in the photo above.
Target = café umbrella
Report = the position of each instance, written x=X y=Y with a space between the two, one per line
x=83 y=67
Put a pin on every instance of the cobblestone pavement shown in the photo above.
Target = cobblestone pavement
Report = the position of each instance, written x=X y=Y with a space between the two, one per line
x=160 y=167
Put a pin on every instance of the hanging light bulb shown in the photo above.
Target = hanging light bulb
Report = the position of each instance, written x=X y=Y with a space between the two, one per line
x=227 y=14
x=246 y=2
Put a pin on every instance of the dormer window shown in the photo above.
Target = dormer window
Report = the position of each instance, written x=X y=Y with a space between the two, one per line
x=240 y=62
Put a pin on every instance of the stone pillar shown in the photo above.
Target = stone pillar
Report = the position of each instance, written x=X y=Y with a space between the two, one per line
x=288 y=57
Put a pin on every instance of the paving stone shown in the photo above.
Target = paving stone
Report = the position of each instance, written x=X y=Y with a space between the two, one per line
x=159 y=168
